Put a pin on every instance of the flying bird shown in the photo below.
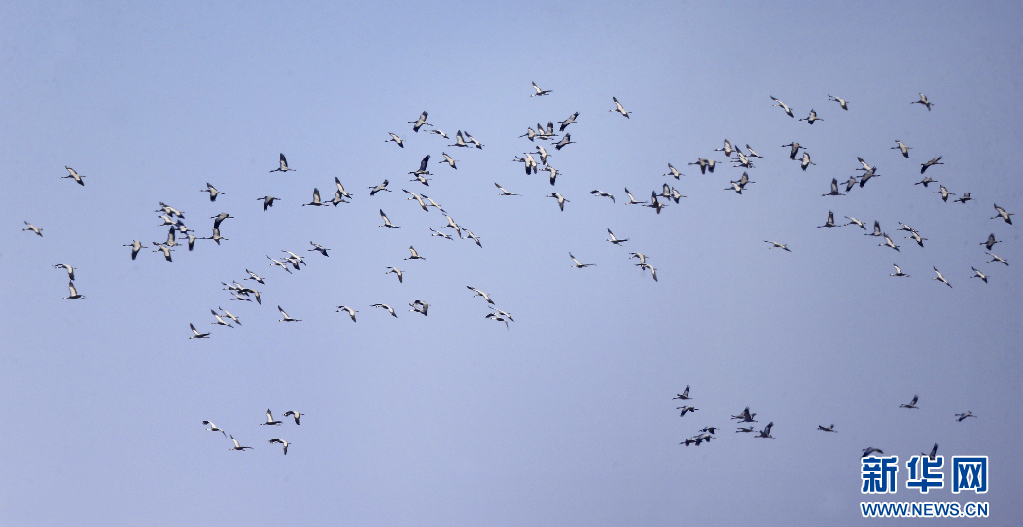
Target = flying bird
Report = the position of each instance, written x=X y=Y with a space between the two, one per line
x=285 y=319
x=32 y=228
x=568 y=121
x=1002 y=214
x=827 y=428
x=269 y=417
x=685 y=393
x=619 y=109
x=283 y=167
x=912 y=404
x=237 y=446
x=788 y=111
x=961 y=417
x=480 y=293
x=283 y=442
x=296 y=415
x=70 y=270
x=898 y=272
x=539 y=92
x=812 y=117
x=213 y=192
x=415 y=128
x=196 y=334
x=74 y=175
x=504 y=192
x=778 y=245
x=841 y=102
x=387 y=307
x=932 y=162
x=351 y=312
x=561 y=199
x=923 y=100
x=978 y=274
x=387 y=222
x=902 y=148
x=395 y=139
x=73 y=292
x=577 y=264
x=214 y=428
x=991 y=241
x=268 y=201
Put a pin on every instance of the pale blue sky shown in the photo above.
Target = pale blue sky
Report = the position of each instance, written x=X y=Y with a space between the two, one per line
x=566 y=418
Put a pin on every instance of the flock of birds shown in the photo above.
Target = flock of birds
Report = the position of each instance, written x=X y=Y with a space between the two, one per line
x=539 y=159
x=706 y=434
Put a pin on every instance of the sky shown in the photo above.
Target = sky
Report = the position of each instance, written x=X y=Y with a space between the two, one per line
x=565 y=416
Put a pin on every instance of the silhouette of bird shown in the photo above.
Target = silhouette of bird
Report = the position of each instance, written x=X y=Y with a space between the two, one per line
x=923 y=100
x=912 y=404
x=932 y=162
x=1002 y=214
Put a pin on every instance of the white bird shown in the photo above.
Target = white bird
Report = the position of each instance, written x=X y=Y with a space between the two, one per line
x=316 y=199
x=727 y=149
x=504 y=192
x=237 y=446
x=653 y=271
x=640 y=256
x=283 y=167
x=615 y=240
x=388 y=308
x=1002 y=214
x=397 y=272
x=912 y=404
x=74 y=292
x=220 y=321
x=474 y=238
x=451 y=224
x=415 y=128
x=32 y=228
x=923 y=100
x=396 y=139
x=978 y=274
x=480 y=293
x=752 y=153
x=916 y=237
x=567 y=122
x=778 y=245
x=553 y=171
x=783 y=106
x=795 y=149
x=561 y=199
x=167 y=209
x=351 y=312
x=387 y=222
x=295 y=415
x=421 y=179
x=270 y=419
x=286 y=317
x=499 y=318
x=841 y=102
x=530 y=133
x=654 y=203
x=283 y=442
x=632 y=200
x=196 y=334
x=898 y=271
x=214 y=428
x=415 y=255
x=439 y=132
x=812 y=117
x=672 y=171
x=577 y=264
x=618 y=108
x=74 y=175
x=539 y=92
